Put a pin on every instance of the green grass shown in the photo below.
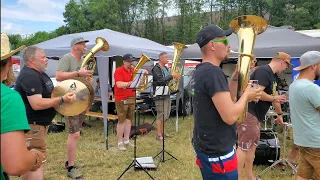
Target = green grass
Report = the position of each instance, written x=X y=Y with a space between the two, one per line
x=104 y=164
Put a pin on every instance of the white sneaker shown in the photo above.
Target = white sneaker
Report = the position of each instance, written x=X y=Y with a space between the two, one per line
x=129 y=145
x=121 y=147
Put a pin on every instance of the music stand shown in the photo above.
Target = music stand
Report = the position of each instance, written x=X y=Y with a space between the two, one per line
x=135 y=163
x=162 y=92
x=281 y=160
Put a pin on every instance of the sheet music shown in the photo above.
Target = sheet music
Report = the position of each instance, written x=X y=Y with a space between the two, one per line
x=137 y=78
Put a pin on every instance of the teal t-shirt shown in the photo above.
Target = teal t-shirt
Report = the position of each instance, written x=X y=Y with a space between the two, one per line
x=304 y=98
x=13 y=113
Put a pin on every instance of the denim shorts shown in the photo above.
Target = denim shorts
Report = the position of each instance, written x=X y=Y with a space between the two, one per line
x=223 y=167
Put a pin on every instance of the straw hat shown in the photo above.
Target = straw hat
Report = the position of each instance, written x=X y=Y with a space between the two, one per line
x=6 y=48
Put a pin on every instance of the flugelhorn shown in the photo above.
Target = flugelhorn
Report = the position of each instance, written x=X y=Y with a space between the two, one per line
x=247 y=27
x=144 y=81
x=176 y=66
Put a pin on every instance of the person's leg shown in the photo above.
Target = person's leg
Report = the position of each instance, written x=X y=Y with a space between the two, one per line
x=248 y=138
x=36 y=139
x=128 y=122
x=212 y=167
x=159 y=108
x=293 y=154
x=305 y=169
x=121 y=113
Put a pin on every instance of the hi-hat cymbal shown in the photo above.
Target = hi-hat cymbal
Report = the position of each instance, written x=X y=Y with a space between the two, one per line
x=82 y=92
x=274 y=113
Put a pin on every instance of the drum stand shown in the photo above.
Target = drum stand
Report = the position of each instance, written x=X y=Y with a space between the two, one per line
x=283 y=160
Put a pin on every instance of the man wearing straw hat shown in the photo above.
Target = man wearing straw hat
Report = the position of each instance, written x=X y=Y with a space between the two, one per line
x=15 y=157
x=304 y=99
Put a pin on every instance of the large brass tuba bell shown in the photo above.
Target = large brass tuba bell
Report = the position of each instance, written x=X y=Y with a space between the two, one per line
x=89 y=62
x=144 y=81
x=176 y=66
x=247 y=27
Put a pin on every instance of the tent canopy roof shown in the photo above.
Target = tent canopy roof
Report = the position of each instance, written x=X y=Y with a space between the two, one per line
x=119 y=43
x=268 y=44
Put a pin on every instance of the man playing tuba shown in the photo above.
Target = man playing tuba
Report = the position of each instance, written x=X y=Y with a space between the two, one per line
x=69 y=67
x=161 y=77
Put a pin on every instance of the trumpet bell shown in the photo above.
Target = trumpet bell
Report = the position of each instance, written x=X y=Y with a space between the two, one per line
x=247 y=27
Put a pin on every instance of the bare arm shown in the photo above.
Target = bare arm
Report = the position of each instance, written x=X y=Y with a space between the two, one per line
x=122 y=84
x=318 y=108
x=38 y=103
x=15 y=158
x=233 y=86
x=228 y=110
x=277 y=106
x=61 y=76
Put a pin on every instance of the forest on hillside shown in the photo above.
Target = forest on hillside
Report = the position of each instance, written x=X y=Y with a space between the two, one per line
x=151 y=18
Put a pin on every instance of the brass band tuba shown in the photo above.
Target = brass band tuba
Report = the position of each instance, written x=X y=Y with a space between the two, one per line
x=247 y=27
x=176 y=66
x=144 y=81
x=89 y=62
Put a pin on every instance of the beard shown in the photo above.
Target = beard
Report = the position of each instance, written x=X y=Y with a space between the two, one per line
x=317 y=75
x=226 y=58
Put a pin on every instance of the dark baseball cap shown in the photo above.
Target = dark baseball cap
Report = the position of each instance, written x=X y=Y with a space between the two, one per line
x=77 y=40
x=128 y=57
x=210 y=32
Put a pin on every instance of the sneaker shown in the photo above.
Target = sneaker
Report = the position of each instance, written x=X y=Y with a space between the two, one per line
x=129 y=145
x=74 y=174
x=76 y=165
x=121 y=147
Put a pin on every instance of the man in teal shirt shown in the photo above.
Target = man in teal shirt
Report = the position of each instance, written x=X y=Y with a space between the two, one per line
x=304 y=100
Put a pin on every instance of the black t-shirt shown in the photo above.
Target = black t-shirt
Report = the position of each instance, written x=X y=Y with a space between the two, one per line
x=267 y=79
x=31 y=82
x=212 y=135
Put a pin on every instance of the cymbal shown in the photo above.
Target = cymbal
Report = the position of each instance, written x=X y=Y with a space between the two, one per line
x=273 y=113
x=89 y=86
x=83 y=95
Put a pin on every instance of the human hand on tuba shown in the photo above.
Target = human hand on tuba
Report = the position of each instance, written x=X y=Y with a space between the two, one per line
x=85 y=73
x=175 y=75
x=253 y=93
x=39 y=159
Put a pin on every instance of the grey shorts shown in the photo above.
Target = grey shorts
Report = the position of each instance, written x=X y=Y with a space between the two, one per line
x=163 y=107
x=74 y=123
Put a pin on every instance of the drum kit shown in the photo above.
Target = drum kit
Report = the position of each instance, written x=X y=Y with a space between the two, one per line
x=268 y=150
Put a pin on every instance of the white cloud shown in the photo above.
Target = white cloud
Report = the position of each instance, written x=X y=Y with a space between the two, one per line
x=11 y=28
x=43 y=5
x=47 y=11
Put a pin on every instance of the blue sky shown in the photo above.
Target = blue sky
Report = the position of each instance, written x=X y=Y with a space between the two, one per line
x=29 y=16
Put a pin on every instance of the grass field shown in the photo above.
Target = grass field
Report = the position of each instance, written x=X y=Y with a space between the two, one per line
x=109 y=164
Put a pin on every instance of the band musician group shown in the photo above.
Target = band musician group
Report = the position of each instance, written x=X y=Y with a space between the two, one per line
x=224 y=144
x=226 y=122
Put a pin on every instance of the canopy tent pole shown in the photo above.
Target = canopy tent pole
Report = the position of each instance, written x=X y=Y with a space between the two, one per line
x=103 y=71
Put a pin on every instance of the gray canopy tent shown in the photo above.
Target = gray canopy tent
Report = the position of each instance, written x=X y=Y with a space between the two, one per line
x=119 y=43
x=267 y=44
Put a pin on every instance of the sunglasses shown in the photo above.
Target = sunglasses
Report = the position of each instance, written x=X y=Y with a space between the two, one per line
x=225 y=41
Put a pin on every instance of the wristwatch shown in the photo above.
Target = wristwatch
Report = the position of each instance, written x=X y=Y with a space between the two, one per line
x=280 y=114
